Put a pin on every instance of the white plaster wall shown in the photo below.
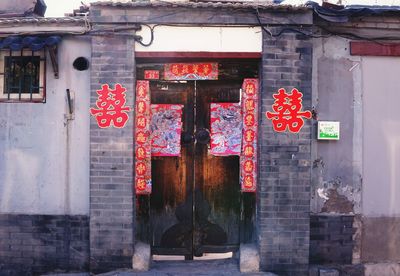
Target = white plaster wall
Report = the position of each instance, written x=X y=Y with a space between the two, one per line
x=205 y=39
x=35 y=177
x=381 y=135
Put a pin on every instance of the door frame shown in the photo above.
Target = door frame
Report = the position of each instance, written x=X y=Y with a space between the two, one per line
x=174 y=57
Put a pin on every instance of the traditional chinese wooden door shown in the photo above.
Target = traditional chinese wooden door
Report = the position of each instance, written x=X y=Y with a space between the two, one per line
x=196 y=205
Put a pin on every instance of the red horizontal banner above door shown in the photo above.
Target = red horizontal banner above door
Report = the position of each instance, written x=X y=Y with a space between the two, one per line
x=191 y=71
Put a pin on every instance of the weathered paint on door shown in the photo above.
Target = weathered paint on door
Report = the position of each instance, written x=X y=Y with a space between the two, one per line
x=196 y=205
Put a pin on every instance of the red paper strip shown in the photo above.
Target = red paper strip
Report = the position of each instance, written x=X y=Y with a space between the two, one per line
x=151 y=74
x=111 y=109
x=191 y=71
x=288 y=111
x=226 y=129
x=142 y=139
x=248 y=157
x=166 y=127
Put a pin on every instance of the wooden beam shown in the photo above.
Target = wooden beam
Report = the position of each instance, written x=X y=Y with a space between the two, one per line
x=54 y=59
x=364 y=48
x=218 y=55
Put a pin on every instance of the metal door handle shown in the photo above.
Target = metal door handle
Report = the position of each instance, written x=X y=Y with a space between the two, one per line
x=187 y=138
x=203 y=136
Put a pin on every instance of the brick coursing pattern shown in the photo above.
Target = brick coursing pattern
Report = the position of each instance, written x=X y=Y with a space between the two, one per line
x=111 y=160
x=331 y=239
x=283 y=203
x=36 y=244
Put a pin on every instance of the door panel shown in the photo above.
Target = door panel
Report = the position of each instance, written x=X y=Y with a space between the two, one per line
x=195 y=200
x=172 y=178
x=216 y=177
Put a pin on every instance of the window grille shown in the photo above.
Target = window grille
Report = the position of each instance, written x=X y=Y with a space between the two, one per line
x=22 y=76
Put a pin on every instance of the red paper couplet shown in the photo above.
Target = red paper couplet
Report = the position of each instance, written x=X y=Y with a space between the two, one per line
x=111 y=109
x=142 y=139
x=226 y=129
x=248 y=157
x=191 y=71
x=288 y=111
x=166 y=127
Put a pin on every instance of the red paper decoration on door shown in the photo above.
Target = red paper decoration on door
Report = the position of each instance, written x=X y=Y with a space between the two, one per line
x=248 y=157
x=142 y=139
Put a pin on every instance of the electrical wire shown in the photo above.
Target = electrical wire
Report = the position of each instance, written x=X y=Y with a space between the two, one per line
x=330 y=33
x=139 y=38
x=284 y=30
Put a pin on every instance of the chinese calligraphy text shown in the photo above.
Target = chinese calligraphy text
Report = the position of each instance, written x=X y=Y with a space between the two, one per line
x=142 y=139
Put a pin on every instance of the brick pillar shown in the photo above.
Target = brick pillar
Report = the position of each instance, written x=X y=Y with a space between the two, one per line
x=111 y=160
x=285 y=160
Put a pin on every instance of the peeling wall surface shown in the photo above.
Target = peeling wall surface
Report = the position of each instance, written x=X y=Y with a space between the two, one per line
x=362 y=94
x=337 y=97
x=42 y=170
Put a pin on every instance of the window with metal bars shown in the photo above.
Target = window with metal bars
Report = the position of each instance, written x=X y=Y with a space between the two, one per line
x=22 y=76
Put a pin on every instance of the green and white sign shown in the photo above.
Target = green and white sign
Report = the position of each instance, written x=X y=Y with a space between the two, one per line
x=328 y=130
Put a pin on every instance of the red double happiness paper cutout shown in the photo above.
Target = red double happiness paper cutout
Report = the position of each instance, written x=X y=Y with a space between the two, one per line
x=111 y=109
x=288 y=111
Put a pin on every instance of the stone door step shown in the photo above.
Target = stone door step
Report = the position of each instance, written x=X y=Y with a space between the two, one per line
x=224 y=267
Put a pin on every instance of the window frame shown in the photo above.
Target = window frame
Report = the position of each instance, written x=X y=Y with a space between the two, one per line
x=23 y=97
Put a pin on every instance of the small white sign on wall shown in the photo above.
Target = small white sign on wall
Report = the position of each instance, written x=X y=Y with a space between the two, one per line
x=328 y=130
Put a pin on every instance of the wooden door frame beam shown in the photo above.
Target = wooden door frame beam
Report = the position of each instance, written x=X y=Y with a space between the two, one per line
x=211 y=55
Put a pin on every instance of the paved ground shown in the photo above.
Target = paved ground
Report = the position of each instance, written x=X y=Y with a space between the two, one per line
x=225 y=267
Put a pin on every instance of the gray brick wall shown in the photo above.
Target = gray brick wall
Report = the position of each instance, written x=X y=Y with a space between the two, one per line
x=285 y=160
x=331 y=239
x=111 y=160
x=36 y=244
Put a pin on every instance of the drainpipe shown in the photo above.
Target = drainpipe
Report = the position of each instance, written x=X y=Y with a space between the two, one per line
x=69 y=116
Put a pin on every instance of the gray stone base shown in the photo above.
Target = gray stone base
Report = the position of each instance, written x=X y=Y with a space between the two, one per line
x=249 y=261
x=387 y=269
x=337 y=269
x=142 y=257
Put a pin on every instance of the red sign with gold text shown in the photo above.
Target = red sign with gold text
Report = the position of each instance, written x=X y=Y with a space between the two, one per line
x=142 y=139
x=248 y=157
x=151 y=74
x=191 y=71
x=111 y=109
x=288 y=111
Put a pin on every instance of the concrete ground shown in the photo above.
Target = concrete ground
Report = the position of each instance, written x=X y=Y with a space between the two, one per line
x=224 y=267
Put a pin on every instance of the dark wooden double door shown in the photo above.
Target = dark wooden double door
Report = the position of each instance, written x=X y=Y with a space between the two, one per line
x=196 y=201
